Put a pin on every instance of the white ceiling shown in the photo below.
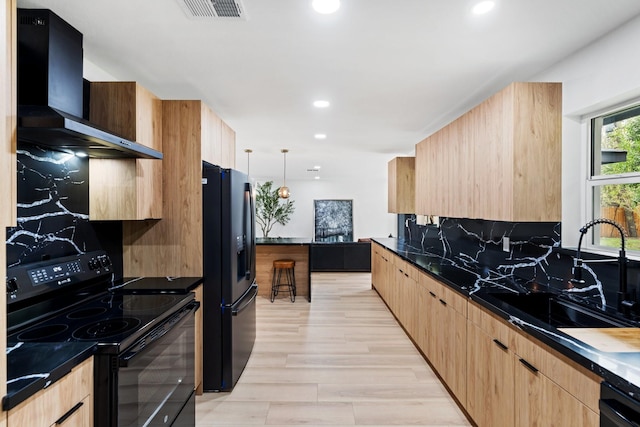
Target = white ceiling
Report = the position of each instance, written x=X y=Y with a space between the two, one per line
x=394 y=71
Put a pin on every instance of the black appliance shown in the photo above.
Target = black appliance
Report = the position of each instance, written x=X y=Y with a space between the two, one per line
x=144 y=364
x=50 y=91
x=229 y=288
x=618 y=409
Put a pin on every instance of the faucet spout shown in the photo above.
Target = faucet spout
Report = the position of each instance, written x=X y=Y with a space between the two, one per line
x=624 y=304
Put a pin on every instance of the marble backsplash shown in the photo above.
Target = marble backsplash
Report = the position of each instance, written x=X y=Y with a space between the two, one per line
x=535 y=255
x=53 y=210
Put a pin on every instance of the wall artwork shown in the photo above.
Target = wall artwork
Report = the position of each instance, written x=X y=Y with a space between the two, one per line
x=333 y=220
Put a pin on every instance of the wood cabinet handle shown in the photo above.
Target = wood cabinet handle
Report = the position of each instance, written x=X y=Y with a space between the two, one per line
x=432 y=294
x=443 y=302
x=70 y=412
x=499 y=344
x=406 y=275
x=529 y=366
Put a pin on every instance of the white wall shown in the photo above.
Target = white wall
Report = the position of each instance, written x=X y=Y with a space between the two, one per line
x=604 y=75
x=369 y=195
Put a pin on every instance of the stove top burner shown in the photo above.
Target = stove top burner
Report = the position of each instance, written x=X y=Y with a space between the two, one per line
x=39 y=333
x=113 y=320
x=106 y=328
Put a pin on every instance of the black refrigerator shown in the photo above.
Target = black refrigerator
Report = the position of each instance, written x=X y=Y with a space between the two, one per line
x=229 y=291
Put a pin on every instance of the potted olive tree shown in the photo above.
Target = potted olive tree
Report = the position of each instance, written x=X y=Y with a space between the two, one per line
x=270 y=209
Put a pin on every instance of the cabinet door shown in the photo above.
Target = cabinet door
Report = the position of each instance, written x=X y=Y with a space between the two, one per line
x=490 y=370
x=401 y=185
x=126 y=189
x=542 y=403
x=228 y=148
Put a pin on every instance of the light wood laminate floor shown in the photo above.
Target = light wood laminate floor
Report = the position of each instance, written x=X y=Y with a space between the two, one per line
x=341 y=360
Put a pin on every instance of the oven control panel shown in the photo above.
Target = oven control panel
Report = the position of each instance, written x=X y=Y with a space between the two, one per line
x=27 y=281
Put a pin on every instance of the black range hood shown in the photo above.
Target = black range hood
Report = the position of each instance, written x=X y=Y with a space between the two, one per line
x=46 y=126
x=50 y=92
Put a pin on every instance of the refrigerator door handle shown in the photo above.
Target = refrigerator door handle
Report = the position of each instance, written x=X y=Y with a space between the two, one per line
x=251 y=237
x=251 y=296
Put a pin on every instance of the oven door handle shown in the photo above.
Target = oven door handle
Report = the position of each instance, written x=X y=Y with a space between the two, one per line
x=614 y=416
x=250 y=297
x=158 y=332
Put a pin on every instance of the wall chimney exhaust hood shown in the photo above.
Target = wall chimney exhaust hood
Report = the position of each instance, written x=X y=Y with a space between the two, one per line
x=49 y=127
x=50 y=92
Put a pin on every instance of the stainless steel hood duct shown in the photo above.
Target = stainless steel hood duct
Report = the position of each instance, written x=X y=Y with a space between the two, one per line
x=50 y=92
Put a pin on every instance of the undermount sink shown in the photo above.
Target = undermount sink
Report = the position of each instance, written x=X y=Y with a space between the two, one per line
x=560 y=313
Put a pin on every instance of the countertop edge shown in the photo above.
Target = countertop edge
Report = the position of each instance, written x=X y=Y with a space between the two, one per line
x=12 y=400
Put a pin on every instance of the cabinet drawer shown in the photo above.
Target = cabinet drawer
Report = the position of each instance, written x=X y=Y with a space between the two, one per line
x=49 y=405
x=577 y=381
x=491 y=325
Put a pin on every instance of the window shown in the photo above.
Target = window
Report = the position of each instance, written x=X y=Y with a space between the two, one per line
x=614 y=179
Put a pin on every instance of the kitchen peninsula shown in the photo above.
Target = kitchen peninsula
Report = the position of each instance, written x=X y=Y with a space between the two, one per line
x=270 y=249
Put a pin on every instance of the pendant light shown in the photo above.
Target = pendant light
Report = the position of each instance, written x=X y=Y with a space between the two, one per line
x=248 y=151
x=283 y=191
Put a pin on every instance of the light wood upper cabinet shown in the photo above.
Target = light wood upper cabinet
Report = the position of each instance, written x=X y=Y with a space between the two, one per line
x=220 y=146
x=228 y=152
x=499 y=161
x=126 y=189
x=401 y=182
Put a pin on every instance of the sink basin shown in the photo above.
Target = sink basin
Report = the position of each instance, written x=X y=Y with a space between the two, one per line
x=558 y=312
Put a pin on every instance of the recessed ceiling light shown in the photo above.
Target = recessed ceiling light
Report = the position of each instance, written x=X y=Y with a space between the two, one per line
x=320 y=136
x=317 y=167
x=483 y=7
x=81 y=154
x=326 y=6
x=321 y=103
x=317 y=177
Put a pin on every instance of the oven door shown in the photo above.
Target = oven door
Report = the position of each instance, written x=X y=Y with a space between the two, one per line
x=156 y=374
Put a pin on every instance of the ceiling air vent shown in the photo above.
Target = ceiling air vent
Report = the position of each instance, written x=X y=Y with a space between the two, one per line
x=202 y=9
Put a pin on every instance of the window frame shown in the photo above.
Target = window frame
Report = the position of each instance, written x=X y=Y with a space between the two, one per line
x=592 y=182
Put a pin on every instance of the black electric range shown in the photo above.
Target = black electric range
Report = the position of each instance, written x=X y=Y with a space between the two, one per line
x=139 y=337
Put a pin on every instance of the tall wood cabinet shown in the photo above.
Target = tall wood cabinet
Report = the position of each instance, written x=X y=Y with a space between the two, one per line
x=8 y=128
x=401 y=183
x=499 y=161
x=191 y=133
x=126 y=189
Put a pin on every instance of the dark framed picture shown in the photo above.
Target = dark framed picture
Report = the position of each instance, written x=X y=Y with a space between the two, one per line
x=333 y=220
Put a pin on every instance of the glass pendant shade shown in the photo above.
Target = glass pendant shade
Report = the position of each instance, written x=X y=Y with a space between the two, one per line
x=283 y=192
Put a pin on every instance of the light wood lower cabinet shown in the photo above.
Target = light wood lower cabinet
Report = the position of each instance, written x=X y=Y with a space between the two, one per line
x=518 y=382
x=490 y=395
x=499 y=374
x=551 y=390
x=66 y=403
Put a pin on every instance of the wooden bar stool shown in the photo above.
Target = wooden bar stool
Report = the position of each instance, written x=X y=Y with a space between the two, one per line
x=284 y=267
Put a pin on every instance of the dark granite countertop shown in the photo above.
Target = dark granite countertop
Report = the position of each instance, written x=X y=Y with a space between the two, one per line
x=32 y=367
x=620 y=369
x=283 y=241
x=156 y=285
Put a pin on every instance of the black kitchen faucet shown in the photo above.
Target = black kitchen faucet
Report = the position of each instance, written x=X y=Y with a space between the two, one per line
x=626 y=300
